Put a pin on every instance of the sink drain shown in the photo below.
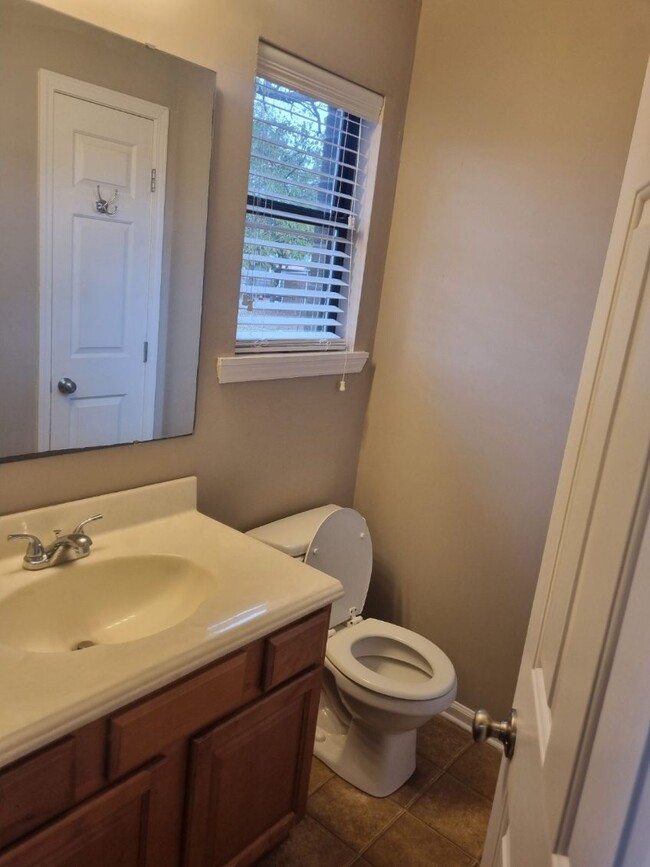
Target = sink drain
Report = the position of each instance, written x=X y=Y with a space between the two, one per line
x=82 y=645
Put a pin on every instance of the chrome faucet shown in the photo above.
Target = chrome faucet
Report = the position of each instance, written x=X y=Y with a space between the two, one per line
x=72 y=546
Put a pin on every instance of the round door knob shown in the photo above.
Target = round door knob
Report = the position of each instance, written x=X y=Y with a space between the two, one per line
x=484 y=727
x=66 y=386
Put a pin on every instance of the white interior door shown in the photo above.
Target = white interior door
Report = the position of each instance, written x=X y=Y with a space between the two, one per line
x=570 y=795
x=105 y=284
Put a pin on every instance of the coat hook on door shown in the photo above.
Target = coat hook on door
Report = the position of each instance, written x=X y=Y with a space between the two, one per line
x=103 y=206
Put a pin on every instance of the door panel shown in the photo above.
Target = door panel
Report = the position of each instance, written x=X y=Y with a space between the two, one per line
x=101 y=254
x=95 y=419
x=104 y=162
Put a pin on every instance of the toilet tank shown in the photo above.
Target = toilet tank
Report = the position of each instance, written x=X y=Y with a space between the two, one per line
x=334 y=540
x=293 y=535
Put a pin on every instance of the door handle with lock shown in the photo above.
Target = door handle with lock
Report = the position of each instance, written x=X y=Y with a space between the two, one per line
x=484 y=727
x=66 y=385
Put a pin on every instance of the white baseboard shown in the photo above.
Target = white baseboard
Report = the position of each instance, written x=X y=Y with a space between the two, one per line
x=460 y=715
x=463 y=717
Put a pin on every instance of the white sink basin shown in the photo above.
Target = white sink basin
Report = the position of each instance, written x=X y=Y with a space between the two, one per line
x=106 y=602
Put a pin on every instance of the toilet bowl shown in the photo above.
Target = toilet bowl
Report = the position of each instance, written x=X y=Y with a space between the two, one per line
x=381 y=681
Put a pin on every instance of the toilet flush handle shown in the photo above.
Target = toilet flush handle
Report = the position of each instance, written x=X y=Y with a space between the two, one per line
x=484 y=727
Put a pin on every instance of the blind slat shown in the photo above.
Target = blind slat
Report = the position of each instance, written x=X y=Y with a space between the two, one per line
x=246 y=318
x=283 y=342
x=303 y=263
x=291 y=166
x=276 y=306
x=282 y=128
x=330 y=192
x=247 y=273
x=267 y=292
x=289 y=215
x=293 y=201
x=259 y=221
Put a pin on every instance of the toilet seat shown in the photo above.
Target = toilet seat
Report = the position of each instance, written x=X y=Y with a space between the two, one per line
x=348 y=646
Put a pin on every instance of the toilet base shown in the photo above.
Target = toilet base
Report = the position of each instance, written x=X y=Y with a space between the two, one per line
x=377 y=762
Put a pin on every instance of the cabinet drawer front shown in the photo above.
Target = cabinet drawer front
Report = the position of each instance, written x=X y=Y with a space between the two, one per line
x=295 y=649
x=35 y=789
x=139 y=734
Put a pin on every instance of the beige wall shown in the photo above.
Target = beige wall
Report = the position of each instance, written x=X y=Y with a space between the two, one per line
x=263 y=449
x=518 y=125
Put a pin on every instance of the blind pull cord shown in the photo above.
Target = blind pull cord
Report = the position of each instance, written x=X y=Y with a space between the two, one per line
x=341 y=385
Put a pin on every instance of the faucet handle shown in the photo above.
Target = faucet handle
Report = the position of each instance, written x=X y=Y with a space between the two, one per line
x=80 y=527
x=35 y=552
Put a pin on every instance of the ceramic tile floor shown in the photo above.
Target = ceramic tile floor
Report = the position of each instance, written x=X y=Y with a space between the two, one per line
x=437 y=819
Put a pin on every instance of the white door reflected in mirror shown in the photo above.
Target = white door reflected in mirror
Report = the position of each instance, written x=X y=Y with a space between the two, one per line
x=103 y=309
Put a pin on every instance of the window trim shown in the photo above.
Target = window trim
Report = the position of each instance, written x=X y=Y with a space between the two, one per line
x=288 y=365
x=319 y=83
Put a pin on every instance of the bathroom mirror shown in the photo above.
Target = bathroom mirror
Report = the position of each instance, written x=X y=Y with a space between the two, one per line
x=105 y=149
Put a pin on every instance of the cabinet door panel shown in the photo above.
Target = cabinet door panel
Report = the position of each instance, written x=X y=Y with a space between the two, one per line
x=35 y=789
x=43 y=785
x=249 y=776
x=109 y=830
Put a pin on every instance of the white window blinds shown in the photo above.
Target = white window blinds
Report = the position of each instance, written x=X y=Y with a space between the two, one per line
x=307 y=174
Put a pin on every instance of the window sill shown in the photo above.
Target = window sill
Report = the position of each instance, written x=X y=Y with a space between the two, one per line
x=287 y=365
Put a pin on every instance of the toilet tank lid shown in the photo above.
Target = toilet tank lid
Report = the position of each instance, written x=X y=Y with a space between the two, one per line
x=293 y=535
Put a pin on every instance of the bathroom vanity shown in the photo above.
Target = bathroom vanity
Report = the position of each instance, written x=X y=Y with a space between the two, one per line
x=190 y=745
x=210 y=770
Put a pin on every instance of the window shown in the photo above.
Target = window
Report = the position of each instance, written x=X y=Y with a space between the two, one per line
x=309 y=190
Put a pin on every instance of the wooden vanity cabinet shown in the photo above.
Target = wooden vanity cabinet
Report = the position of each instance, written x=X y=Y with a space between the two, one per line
x=211 y=770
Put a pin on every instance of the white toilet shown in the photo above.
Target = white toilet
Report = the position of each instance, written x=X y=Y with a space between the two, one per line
x=381 y=681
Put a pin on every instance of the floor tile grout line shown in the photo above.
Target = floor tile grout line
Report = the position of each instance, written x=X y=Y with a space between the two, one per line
x=444 y=837
x=383 y=830
x=429 y=786
x=470 y=787
x=425 y=788
x=318 y=788
x=442 y=834
x=329 y=831
x=406 y=809
x=365 y=848
x=446 y=765
x=466 y=785
x=402 y=810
